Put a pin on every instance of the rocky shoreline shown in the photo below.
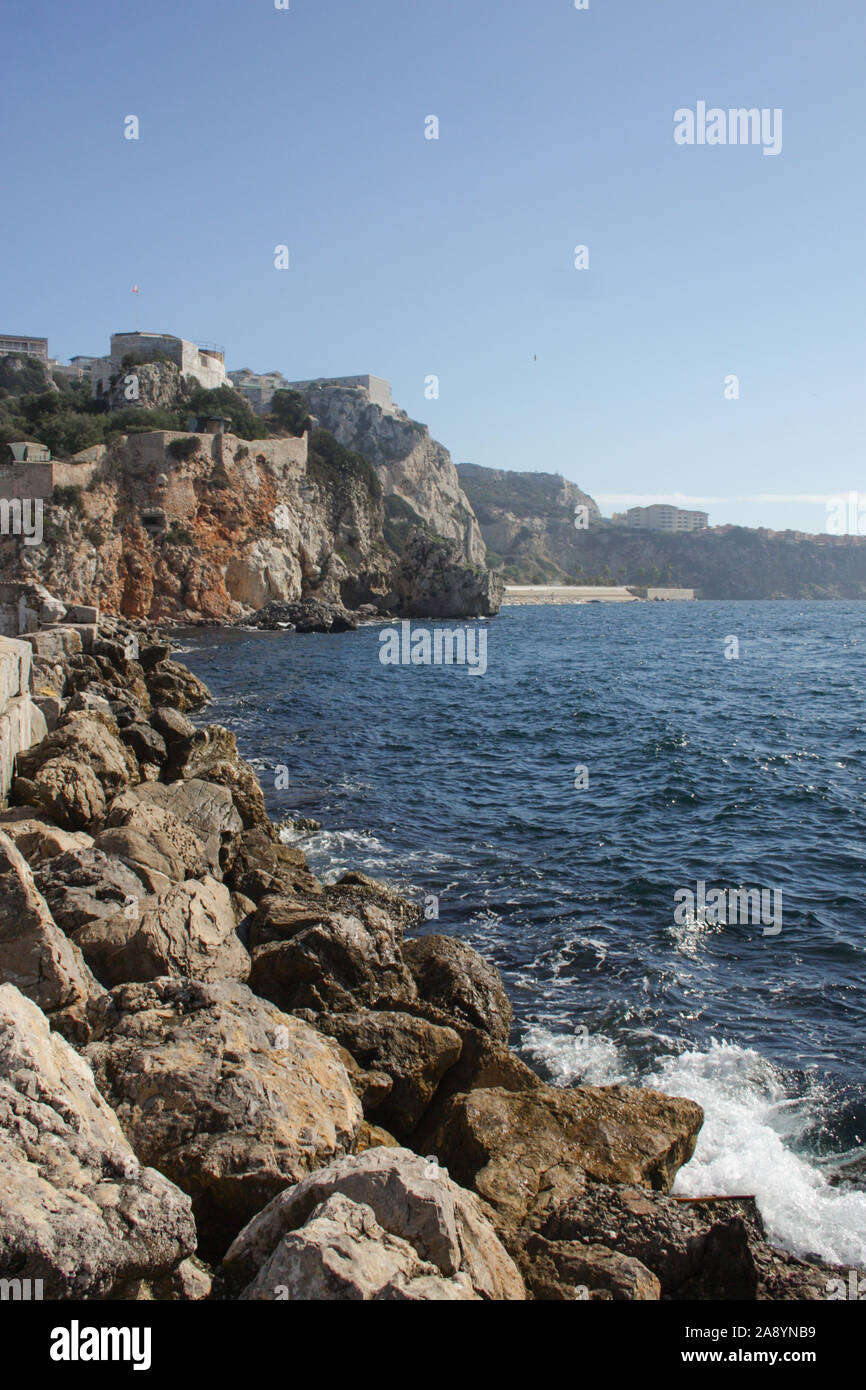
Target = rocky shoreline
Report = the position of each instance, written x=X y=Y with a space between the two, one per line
x=223 y=1079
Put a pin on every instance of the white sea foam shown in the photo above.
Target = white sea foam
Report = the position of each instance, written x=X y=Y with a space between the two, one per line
x=748 y=1140
x=332 y=853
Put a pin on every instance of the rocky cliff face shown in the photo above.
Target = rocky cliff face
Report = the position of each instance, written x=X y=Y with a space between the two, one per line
x=528 y=521
x=181 y=527
x=184 y=527
x=409 y=463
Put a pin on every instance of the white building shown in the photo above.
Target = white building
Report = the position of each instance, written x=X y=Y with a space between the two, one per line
x=205 y=362
x=662 y=517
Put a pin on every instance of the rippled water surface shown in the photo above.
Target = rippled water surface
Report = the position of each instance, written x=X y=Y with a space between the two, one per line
x=746 y=772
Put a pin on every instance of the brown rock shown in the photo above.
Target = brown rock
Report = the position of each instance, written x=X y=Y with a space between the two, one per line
x=190 y=931
x=455 y=978
x=223 y=1093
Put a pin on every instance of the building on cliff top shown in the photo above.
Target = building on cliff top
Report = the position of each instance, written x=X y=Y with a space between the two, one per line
x=662 y=517
x=205 y=362
x=377 y=388
x=30 y=347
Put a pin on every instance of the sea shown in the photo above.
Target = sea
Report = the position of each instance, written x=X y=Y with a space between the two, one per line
x=567 y=811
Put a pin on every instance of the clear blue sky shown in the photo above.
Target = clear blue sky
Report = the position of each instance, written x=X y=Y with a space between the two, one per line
x=455 y=257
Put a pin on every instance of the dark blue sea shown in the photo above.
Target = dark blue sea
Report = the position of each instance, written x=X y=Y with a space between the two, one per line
x=737 y=772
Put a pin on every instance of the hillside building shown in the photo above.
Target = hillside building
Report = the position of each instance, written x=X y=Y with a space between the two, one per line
x=31 y=347
x=662 y=517
x=205 y=362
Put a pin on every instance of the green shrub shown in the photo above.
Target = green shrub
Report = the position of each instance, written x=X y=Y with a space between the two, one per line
x=183 y=449
x=69 y=497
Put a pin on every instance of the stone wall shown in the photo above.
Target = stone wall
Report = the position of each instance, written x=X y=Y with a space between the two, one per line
x=21 y=724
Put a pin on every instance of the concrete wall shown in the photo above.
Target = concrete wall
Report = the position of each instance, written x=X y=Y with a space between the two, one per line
x=21 y=724
x=378 y=389
x=40 y=479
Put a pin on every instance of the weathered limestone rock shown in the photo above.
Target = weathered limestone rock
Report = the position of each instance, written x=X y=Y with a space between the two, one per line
x=563 y=1270
x=207 y=810
x=516 y=1148
x=73 y=771
x=35 y=956
x=190 y=931
x=343 y=1254
x=211 y=754
x=76 y=1208
x=460 y=982
x=432 y=580
x=38 y=840
x=223 y=1093
x=343 y=962
x=414 y=1053
x=152 y=839
x=263 y=866
x=170 y=683
x=86 y=885
x=411 y=1199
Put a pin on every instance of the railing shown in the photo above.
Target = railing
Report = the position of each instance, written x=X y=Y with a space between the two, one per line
x=211 y=347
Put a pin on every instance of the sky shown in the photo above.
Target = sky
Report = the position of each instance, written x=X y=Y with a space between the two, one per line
x=413 y=258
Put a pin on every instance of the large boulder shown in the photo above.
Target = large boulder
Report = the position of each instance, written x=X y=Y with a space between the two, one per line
x=190 y=930
x=207 y=810
x=73 y=772
x=264 y=867
x=344 y=961
x=559 y=1271
x=227 y=1096
x=456 y=979
x=153 y=840
x=411 y=1199
x=413 y=1052
x=37 y=839
x=77 y=1210
x=519 y=1149
x=170 y=683
x=211 y=754
x=85 y=885
x=35 y=955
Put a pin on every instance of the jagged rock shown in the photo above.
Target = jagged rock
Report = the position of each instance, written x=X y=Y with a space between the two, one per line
x=432 y=580
x=86 y=885
x=37 y=840
x=518 y=1149
x=415 y=1054
x=147 y=745
x=345 y=961
x=77 y=1210
x=303 y=615
x=355 y=891
x=343 y=1254
x=281 y=918
x=169 y=683
x=263 y=866
x=67 y=791
x=35 y=956
x=171 y=723
x=211 y=754
x=460 y=982
x=189 y=931
x=564 y=1270
x=206 y=809
x=153 y=840
x=223 y=1093
x=709 y=1248
x=411 y=1199
x=73 y=771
